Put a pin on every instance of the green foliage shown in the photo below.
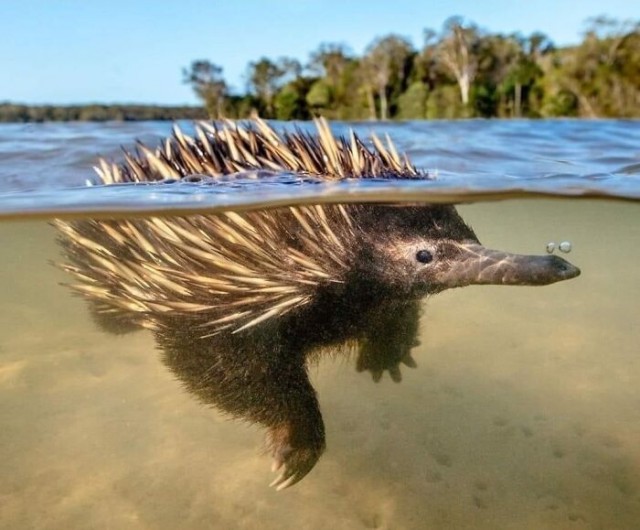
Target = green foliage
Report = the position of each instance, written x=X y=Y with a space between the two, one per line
x=601 y=76
x=460 y=72
x=485 y=101
x=412 y=104
x=561 y=103
x=444 y=104
x=291 y=102
x=319 y=96
x=267 y=79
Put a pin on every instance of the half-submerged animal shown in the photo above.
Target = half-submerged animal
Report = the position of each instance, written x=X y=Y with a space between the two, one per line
x=239 y=302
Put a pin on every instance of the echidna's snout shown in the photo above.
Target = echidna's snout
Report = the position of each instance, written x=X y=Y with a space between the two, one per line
x=475 y=264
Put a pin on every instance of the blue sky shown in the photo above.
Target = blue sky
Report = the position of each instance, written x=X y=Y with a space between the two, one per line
x=79 y=51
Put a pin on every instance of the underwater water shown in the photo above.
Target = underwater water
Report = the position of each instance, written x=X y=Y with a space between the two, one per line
x=523 y=410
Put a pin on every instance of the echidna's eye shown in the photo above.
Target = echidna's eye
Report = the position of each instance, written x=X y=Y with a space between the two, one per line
x=424 y=256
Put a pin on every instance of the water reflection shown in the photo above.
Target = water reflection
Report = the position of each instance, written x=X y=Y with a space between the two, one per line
x=239 y=303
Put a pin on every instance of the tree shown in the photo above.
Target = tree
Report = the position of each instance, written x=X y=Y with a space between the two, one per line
x=602 y=72
x=456 y=52
x=366 y=87
x=330 y=61
x=207 y=82
x=525 y=70
x=290 y=103
x=265 y=78
x=507 y=74
x=262 y=81
x=333 y=66
x=385 y=65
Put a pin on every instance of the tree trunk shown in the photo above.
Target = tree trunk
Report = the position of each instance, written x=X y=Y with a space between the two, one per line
x=586 y=106
x=517 y=103
x=383 y=103
x=220 y=108
x=463 y=82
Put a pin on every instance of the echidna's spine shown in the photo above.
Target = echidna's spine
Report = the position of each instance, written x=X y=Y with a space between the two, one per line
x=229 y=148
x=231 y=270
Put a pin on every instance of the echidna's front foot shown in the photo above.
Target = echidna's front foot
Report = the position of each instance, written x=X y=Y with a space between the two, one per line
x=376 y=360
x=389 y=339
x=294 y=454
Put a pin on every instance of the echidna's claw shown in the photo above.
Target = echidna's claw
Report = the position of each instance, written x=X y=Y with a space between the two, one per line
x=284 y=480
x=409 y=361
x=396 y=375
x=293 y=468
x=292 y=463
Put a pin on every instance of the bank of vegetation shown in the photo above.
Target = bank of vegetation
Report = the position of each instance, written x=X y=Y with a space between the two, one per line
x=12 y=112
x=461 y=71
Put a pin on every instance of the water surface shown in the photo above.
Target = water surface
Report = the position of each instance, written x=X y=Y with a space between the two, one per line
x=45 y=167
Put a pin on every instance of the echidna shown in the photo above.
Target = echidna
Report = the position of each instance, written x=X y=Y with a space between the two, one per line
x=238 y=302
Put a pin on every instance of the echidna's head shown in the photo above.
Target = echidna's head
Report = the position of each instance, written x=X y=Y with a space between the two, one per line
x=421 y=250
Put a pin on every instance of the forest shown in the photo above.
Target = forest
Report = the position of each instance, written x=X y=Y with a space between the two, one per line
x=460 y=71
x=15 y=112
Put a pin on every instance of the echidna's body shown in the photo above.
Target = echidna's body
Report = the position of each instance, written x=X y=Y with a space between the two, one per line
x=238 y=301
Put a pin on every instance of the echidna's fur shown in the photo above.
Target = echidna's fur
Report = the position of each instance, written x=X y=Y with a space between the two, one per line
x=238 y=301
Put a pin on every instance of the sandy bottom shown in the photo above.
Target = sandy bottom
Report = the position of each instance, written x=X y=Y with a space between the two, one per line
x=524 y=411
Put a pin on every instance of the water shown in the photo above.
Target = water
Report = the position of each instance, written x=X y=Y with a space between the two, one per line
x=523 y=411
x=480 y=159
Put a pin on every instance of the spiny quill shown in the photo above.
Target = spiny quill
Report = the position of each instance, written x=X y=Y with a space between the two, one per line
x=231 y=147
x=238 y=269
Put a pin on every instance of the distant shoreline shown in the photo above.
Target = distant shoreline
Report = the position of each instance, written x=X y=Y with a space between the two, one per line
x=98 y=112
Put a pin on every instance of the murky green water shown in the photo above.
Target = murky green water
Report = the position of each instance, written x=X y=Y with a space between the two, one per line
x=523 y=412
